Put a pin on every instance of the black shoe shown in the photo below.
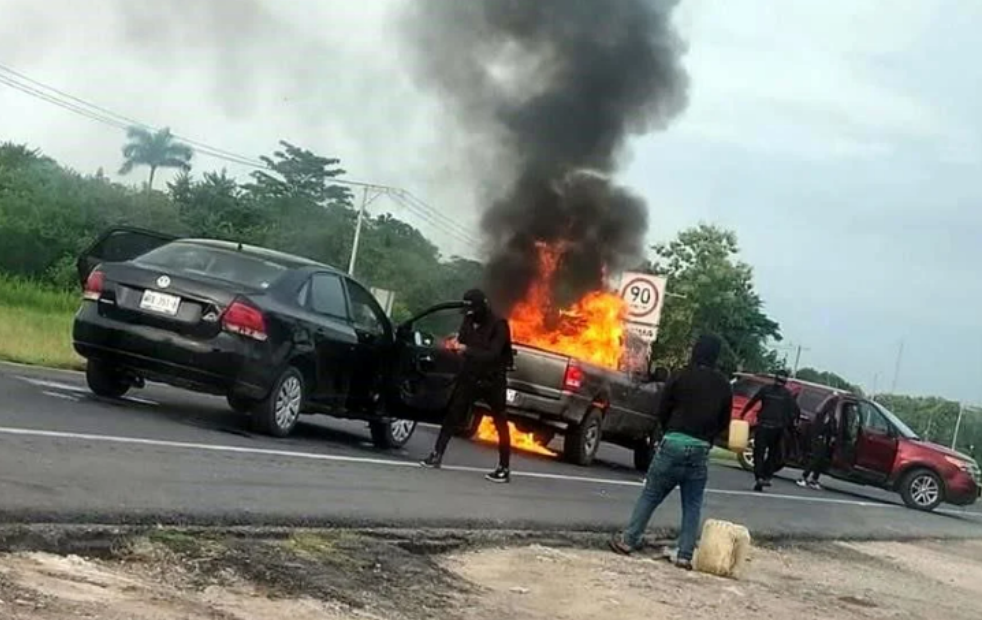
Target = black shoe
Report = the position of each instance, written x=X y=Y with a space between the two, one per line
x=501 y=475
x=759 y=486
x=431 y=462
x=767 y=482
x=683 y=564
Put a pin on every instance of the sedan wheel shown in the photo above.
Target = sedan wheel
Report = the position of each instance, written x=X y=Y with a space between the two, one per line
x=279 y=412
x=288 y=402
x=390 y=434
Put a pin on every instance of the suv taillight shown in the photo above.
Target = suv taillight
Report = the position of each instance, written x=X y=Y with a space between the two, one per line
x=573 y=380
x=245 y=320
x=93 y=286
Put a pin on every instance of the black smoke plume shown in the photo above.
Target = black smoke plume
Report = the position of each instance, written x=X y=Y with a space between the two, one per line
x=551 y=89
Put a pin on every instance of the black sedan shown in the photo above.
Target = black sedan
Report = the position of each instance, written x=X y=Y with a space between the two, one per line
x=277 y=335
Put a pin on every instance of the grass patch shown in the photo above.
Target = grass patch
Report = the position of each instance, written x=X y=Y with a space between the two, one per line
x=36 y=324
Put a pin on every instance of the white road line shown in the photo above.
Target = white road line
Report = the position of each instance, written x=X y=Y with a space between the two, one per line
x=77 y=389
x=74 y=399
x=161 y=443
x=68 y=387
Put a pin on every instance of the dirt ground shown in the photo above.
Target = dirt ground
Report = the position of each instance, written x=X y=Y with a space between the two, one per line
x=347 y=576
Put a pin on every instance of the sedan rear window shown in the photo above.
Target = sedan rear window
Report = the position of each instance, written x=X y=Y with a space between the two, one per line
x=217 y=263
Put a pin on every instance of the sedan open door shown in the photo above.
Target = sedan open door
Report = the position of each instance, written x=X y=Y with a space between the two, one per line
x=117 y=245
x=424 y=371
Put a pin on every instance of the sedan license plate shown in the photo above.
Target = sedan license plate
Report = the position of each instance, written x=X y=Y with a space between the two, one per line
x=511 y=397
x=160 y=302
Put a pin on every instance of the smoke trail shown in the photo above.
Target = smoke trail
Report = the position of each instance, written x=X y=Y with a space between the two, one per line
x=552 y=89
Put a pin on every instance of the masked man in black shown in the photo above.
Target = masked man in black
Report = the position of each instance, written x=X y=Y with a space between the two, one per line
x=778 y=414
x=484 y=341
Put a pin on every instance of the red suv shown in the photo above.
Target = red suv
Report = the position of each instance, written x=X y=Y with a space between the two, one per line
x=874 y=447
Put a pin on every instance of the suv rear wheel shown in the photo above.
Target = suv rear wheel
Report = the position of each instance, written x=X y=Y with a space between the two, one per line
x=582 y=441
x=746 y=458
x=278 y=413
x=922 y=489
x=105 y=380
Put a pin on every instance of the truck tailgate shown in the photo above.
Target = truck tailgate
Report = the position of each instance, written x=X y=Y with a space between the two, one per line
x=538 y=372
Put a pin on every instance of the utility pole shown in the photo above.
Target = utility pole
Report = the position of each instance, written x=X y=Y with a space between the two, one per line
x=958 y=425
x=361 y=217
x=896 y=367
x=797 y=359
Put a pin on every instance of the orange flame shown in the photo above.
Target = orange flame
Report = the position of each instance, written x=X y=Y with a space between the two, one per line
x=591 y=329
x=526 y=442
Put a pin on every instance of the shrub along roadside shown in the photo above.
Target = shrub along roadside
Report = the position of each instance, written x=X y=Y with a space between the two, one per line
x=36 y=324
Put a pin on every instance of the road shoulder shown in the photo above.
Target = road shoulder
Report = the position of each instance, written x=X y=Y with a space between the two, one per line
x=57 y=574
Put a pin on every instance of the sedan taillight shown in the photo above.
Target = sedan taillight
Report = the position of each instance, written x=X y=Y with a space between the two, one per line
x=246 y=320
x=94 y=285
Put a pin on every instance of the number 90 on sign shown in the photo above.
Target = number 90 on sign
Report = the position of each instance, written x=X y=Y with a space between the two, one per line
x=642 y=297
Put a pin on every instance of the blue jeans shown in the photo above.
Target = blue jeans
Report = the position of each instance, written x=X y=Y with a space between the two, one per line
x=672 y=466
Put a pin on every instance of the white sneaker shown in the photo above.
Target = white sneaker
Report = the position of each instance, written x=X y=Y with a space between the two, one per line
x=670 y=553
x=814 y=485
x=802 y=483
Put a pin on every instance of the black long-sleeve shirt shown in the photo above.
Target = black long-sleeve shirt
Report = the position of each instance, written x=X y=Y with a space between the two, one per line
x=488 y=346
x=696 y=402
x=778 y=409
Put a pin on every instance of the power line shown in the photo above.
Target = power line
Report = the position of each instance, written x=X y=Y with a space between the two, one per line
x=29 y=86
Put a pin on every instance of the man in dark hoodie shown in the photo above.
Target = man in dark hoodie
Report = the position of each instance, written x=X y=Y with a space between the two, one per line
x=778 y=415
x=693 y=411
x=484 y=340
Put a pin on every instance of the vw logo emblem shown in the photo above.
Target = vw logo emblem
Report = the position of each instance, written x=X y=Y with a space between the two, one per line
x=163 y=281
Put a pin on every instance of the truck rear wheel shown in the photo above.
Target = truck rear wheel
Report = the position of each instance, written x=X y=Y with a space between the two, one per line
x=469 y=429
x=583 y=440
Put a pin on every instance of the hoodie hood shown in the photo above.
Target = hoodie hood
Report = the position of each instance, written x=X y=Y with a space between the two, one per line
x=706 y=351
x=478 y=304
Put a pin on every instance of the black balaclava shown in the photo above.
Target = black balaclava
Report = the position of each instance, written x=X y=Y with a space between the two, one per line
x=781 y=377
x=706 y=350
x=478 y=307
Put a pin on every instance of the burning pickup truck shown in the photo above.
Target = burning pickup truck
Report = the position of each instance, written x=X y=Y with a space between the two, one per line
x=568 y=376
x=550 y=393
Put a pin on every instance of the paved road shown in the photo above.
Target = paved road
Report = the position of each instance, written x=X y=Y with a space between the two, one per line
x=169 y=456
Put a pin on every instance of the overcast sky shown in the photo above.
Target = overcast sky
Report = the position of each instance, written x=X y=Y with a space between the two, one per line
x=840 y=139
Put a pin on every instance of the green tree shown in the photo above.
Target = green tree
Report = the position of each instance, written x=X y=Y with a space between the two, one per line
x=215 y=207
x=711 y=291
x=297 y=173
x=154 y=150
x=831 y=379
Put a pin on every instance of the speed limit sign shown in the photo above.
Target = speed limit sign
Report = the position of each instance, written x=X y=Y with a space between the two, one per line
x=643 y=294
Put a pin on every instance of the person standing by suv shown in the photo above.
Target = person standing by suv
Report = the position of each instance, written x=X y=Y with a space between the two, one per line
x=778 y=414
x=484 y=341
x=821 y=443
x=693 y=411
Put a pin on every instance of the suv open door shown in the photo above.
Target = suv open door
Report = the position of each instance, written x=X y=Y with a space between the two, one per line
x=117 y=245
x=424 y=372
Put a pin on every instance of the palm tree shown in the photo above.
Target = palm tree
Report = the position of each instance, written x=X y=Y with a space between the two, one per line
x=155 y=150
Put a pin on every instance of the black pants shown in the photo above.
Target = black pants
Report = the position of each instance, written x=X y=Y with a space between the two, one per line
x=468 y=392
x=819 y=459
x=767 y=451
